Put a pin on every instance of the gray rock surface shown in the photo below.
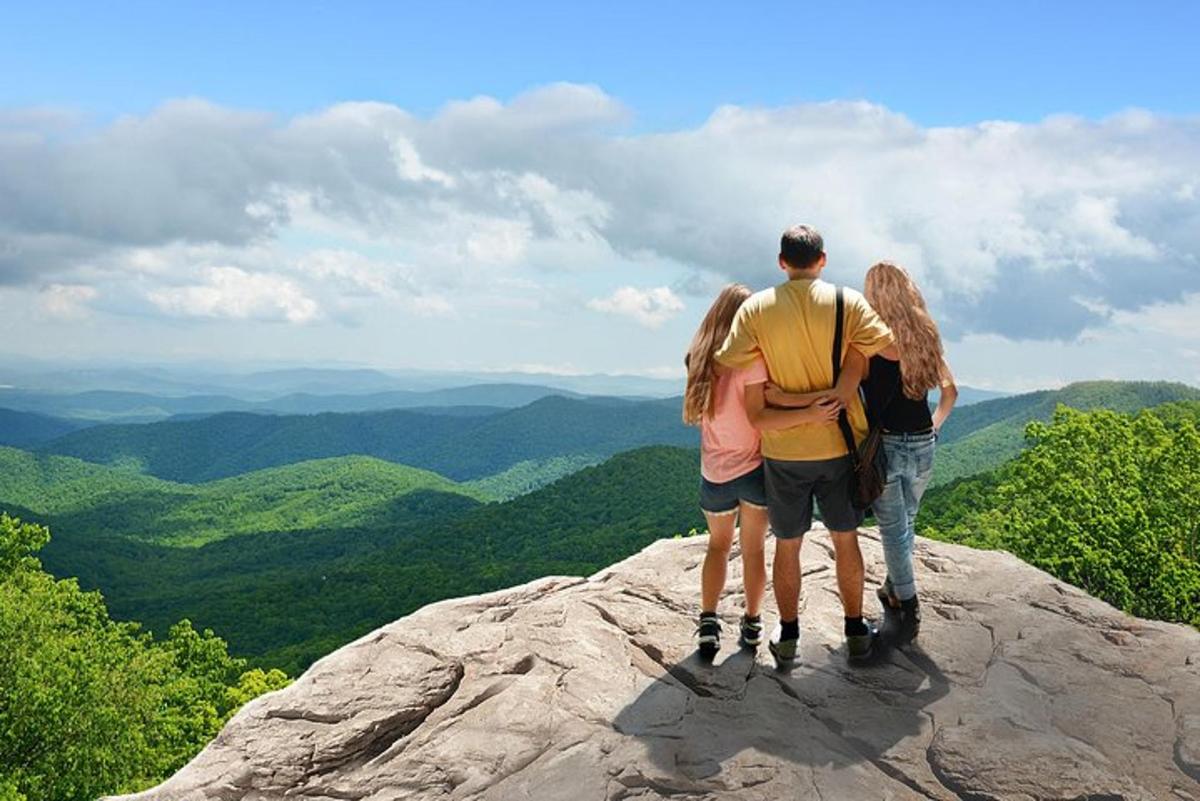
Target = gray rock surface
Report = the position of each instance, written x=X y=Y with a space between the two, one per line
x=578 y=689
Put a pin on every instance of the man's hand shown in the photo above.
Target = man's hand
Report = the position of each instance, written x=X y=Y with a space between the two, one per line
x=844 y=394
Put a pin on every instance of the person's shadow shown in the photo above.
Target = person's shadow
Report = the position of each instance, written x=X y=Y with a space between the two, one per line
x=707 y=726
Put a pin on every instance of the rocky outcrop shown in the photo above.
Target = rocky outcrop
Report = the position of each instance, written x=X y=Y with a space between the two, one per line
x=578 y=689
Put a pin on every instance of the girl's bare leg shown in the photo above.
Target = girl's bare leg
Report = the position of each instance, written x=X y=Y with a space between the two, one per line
x=752 y=535
x=720 y=542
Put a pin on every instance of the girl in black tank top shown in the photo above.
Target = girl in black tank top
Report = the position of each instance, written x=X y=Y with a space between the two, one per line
x=897 y=396
x=888 y=406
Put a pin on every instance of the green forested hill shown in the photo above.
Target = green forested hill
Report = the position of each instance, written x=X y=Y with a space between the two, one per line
x=95 y=501
x=984 y=435
x=26 y=429
x=556 y=426
x=527 y=476
x=225 y=445
x=462 y=448
x=285 y=599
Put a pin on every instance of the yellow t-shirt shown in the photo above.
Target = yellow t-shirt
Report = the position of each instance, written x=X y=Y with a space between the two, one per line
x=791 y=326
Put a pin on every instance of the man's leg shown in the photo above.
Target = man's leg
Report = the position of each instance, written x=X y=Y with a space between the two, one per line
x=849 y=563
x=789 y=507
x=786 y=575
x=835 y=499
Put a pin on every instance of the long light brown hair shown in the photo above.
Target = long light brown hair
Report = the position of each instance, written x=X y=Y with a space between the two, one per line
x=701 y=366
x=895 y=296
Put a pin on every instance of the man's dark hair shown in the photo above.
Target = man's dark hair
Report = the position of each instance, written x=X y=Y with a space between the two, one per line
x=801 y=247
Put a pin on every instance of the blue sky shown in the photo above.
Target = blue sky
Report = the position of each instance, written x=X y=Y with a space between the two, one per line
x=940 y=63
x=564 y=187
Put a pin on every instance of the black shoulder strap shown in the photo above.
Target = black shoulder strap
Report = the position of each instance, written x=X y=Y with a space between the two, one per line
x=838 y=333
x=838 y=328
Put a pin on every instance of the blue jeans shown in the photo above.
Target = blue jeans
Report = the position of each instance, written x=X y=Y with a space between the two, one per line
x=909 y=465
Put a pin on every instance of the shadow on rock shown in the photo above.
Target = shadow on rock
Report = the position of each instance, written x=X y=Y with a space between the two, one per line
x=705 y=723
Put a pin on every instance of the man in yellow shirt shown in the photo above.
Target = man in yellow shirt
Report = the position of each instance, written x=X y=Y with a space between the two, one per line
x=791 y=327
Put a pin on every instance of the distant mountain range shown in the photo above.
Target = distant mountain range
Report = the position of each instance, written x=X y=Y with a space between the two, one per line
x=182 y=380
x=302 y=531
x=138 y=395
x=459 y=447
x=135 y=407
x=466 y=433
x=968 y=396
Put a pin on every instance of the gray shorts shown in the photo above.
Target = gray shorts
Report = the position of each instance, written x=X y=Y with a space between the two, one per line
x=791 y=487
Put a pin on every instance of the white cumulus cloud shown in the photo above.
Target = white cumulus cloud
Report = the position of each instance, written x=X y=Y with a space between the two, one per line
x=235 y=293
x=649 y=307
x=1040 y=233
x=67 y=301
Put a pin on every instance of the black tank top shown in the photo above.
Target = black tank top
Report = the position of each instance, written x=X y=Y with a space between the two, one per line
x=887 y=405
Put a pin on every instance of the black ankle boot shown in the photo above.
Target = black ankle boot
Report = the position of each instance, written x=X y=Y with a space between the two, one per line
x=910 y=621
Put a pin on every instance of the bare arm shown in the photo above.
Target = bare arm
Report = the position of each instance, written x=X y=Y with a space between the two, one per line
x=794 y=400
x=765 y=418
x=947 y=399
x=854 y=369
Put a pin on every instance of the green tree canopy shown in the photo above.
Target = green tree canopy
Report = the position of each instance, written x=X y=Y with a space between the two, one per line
x=1105 y=501
x=91 y=706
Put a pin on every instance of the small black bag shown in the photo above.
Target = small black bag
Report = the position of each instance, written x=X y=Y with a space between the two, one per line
x=870 y=462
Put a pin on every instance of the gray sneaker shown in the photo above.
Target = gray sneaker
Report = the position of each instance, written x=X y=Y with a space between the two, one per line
x=751 y=632
x=861 y=648
x=786 y=652
x=709 y=632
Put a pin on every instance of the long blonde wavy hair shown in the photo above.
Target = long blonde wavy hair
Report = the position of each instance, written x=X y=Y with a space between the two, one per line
x=701 y=366
x=892 y=292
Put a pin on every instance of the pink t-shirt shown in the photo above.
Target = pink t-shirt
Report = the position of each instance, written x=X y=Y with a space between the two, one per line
x=729 y=445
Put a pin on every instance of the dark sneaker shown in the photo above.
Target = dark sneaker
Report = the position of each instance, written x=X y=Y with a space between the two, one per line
x=861 y=648
x=910 y=621
x=751 y=634
x=901 y=624
x=710 y=635
x=786 y=652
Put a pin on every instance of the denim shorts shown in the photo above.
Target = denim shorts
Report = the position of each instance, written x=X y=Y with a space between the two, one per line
x=723 y=498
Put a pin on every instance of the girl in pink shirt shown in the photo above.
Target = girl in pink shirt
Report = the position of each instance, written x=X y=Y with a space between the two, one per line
x=731 y=471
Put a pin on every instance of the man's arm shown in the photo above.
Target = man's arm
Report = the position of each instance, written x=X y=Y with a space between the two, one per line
x=765 y=418
x=866 y=332
x=854 y=368
x=891 y=353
